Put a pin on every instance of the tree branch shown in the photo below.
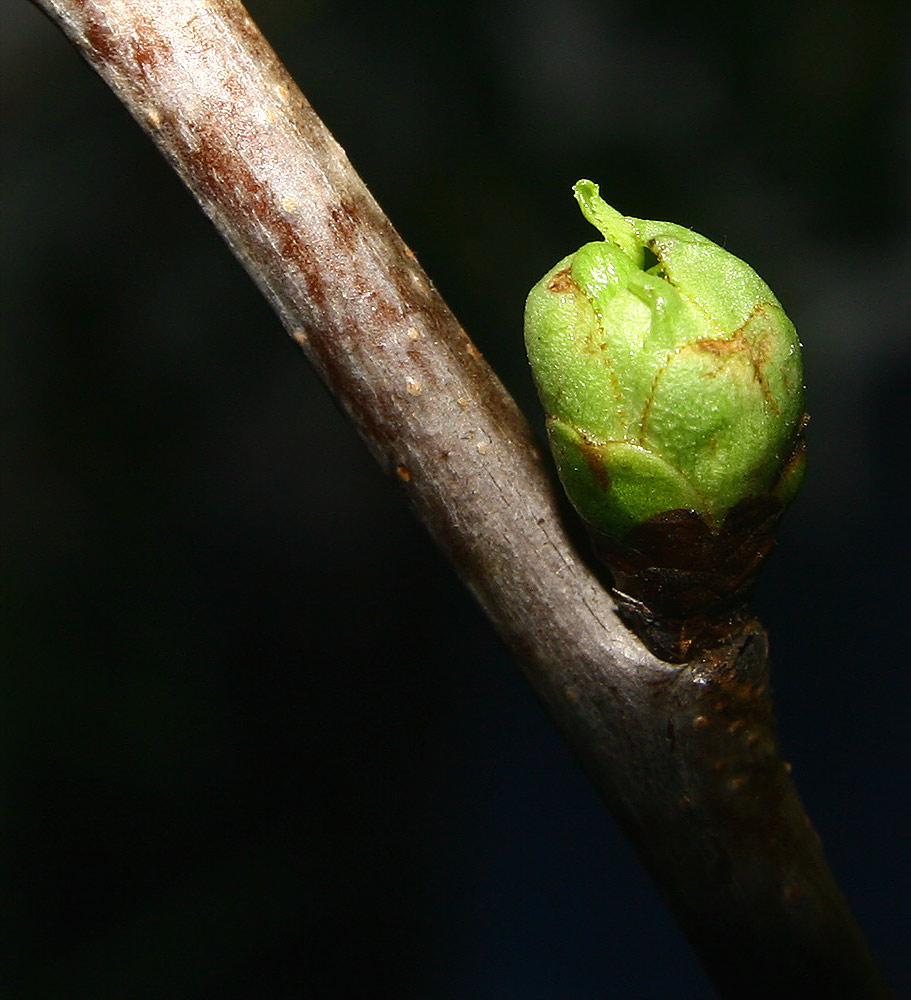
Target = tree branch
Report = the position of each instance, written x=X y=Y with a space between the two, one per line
x=686 y=756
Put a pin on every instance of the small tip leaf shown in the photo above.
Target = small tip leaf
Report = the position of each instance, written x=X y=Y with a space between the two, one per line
x=613 y=226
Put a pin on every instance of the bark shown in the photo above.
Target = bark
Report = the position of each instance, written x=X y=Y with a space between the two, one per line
x=685 y=755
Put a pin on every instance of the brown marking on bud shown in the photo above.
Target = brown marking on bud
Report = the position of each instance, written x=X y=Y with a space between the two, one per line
x=723 y=345
x=592 y=454
x=562 y=282
x=403 y=473
x=757 y=353
x=797 y=456
x=647 y=409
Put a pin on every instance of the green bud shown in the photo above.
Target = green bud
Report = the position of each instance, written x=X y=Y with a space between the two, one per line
x=670 y=376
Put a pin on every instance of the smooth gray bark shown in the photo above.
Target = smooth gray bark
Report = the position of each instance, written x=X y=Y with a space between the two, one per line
x=686 y=756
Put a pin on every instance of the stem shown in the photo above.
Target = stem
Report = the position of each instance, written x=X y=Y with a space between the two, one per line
x=686 y=756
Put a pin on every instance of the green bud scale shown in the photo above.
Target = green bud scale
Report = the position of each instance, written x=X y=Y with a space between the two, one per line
x=672 y=383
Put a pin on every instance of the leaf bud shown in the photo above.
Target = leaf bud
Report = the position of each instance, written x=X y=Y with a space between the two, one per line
x=672 y=384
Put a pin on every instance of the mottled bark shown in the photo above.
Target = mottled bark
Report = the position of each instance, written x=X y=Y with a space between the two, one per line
x=685 y=755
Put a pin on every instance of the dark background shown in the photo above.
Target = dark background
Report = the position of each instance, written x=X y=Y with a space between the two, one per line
x=257 y=739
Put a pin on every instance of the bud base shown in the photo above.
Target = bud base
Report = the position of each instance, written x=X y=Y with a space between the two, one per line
x=683 y=588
